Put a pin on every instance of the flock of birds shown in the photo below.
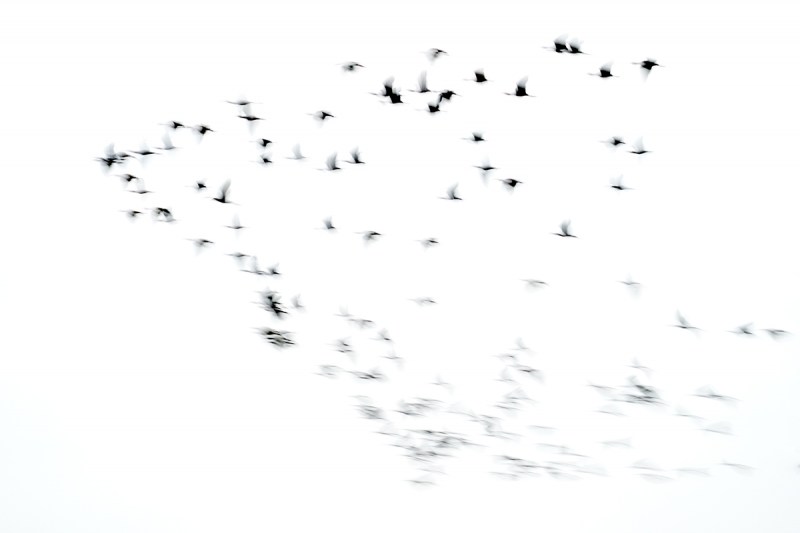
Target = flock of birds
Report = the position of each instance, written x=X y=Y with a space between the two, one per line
x=422 y=426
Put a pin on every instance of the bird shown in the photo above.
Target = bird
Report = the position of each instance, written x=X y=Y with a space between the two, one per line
x=510 y=183
x=647 y=66
x=141 y=189
x=776 y=333
x=617 y=184
x=451 y=194
x=422 y=83
x=521 y=89
x=236 y=226
x=682 y=322
x=199 y=185
x=614 y=141
x=127 y=178
x=132 y=213
x=574 y=47
x=565 y=230
x=605 y=72
x=242 y=102
x=639 y=148
x=201 y=243
x=173 y=125
x=370 y=235
x=446 y=95
x=477 y=137
x=559 y=45
x=329 y=224
x=297 y=154
x=264 y=159
x=633 y=285
x=222 y=197
x=746 y=329
x=535 y=283
x=434 y=53
x=167 y=142
x=322 y=115
x=355 y=154
x=159 y=212
x=330 y=163
x=480 y=77
x=351 y=66
x=433 y=107
x=427 y=243
x=202 y=129
x=485 y=169
x=263 y=142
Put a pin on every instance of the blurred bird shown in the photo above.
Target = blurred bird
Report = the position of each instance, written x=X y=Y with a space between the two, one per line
x=565 y=230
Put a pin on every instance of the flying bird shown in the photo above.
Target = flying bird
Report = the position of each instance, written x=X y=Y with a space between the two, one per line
x=605 y=72
x=330 y=163
x=434 y=53
x=351 y=66
x=565 y=230
x=480 y=77
x=422 y=83
x=355 y=154
x=559 y=45
x=222 y=197
x=638 y=148
x=510 y=183
x=322 y=115
x=521 y=89
x=683 y=323
x=617 y=184
x=451 y=194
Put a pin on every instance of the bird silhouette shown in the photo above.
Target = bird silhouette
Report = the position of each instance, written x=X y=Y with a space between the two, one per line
x=480 y=77
x=451 y=194
x=647 y=66
x=329 y=224
x=263 y=142
x=199 y=185
x=574 y=47
x=614 y=141
x=565 y=230
x=746 y=329
x=477 y=137
x=330 y=163
x=435 y=53
x=605 y=72
x=355 y=154
x=510 y=183
x=422 y=83
x=236 y=226
x=559 y=45
x=683 y=323
x=638 y=148
x=351 y=66
x=297 y=154
x=617 y=184
x=322 y=115
x=222 y=197
x=202 y=129
x=521 y=89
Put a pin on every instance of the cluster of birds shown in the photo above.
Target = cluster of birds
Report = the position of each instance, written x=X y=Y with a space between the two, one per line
x=417 y=424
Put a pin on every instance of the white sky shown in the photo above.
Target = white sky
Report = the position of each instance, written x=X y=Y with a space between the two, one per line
x=134 y=393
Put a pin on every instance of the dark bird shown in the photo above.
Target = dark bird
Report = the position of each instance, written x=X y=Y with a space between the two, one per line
x=263 y=142
x=647 y=66
x=480 y=77
x=351 y=66
x=390 y=92
x=199 y=186
x=127 y=178
x=264 y=159
x=355 y=154
x=422 y=83
x=132 y=213
x=510 y=183
x=238 y=256
x=202 y=129
x=329 y=224
x=638 y=148
x=249 y=118
x=173 y=125
x=322 y=115
x=614 y=141
x=241 y=102
x=433 y=107
x=164 y=214
x=144 y=152
x=617 y=184
x=330 y=163
x=451 y=194
x=222 y=197
x=111 y=157
x=427 y=243
x=485 y=168
x=477 y=137
x=565 y=230
x=683 y=323
x=521 y=89
x=446 y=95
x=559 y=45
x=605 y=72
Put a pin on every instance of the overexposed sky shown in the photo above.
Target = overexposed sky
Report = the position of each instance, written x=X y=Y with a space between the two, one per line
x=135 y=394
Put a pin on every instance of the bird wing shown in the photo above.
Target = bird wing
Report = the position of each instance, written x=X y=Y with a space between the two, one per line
x=423 y=81
x=565 y=227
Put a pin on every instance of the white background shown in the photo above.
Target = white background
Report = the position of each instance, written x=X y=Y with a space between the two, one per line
x=134 y=394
